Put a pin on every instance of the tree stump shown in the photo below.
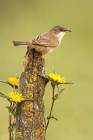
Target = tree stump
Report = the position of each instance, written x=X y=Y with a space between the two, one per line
x=30 y=120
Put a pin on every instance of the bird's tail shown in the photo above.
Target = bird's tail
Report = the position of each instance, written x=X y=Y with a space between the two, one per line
x=18 y=43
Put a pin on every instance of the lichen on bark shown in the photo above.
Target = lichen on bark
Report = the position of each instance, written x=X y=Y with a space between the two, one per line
x=30 y=120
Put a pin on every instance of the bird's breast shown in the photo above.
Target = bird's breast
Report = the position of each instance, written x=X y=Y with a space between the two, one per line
x=60 y=36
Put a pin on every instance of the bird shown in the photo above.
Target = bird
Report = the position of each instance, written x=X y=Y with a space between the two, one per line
x=47 y=41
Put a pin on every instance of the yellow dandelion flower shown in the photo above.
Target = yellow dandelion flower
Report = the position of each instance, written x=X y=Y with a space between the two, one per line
x=56 y=78
x=14 y=81
x=16 y=97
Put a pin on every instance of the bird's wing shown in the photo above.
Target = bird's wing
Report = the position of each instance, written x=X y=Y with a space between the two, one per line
x=46 y=39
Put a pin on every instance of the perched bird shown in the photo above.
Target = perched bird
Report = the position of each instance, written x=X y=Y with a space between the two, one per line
x=46 y=42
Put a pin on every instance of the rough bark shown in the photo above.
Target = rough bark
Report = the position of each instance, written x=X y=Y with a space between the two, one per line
x=30 y=121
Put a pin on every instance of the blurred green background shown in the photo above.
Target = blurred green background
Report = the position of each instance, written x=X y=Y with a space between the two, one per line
x=25 y=19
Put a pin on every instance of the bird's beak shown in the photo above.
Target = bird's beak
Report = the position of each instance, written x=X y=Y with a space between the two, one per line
x=68 y=30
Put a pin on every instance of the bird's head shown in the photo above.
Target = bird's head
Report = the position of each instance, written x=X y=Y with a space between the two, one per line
x=59 y=31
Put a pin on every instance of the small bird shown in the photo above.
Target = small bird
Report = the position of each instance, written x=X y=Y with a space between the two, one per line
x=46 y=42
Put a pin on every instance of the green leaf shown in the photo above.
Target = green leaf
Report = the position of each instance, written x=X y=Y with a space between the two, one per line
x=61 y=90
x=66 y=83
x=56 y=96
x=3 y=96
x=13 y=126
x=52 y=117
x=11 y=110
x=5 y=82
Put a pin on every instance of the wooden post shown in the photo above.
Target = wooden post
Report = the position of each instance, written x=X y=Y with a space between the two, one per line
x=30 y=121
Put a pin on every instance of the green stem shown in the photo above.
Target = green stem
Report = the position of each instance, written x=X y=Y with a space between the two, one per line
x=10 y=125
x=51 y=109
x=9 y=128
